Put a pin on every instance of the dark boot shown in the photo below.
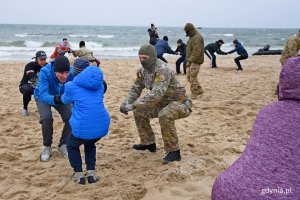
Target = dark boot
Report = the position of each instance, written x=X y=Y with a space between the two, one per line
x=142 y=147
x=172 y=156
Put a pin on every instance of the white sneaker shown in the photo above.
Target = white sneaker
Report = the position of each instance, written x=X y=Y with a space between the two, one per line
x=24 y=112
x=46 y=154
x=63 y=150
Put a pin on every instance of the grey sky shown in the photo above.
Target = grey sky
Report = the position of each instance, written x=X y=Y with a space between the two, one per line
x=205 y=13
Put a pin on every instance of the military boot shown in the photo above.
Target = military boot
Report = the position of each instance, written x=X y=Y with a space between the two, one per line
x=172 y=156
x=142 y=147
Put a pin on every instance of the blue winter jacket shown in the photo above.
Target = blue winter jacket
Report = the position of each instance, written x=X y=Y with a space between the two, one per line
x=162 y=47
x=239 y=49
x=89 y=119
x=48 y=85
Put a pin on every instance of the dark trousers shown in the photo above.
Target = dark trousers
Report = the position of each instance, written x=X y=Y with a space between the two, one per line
x=74 y=153
x=162 y=58
x=212 y=58
x=178 y=63
x=27 y=90
x=237 y=61
x=46 y=120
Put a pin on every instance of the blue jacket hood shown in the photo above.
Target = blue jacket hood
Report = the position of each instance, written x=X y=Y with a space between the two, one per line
x=90 y=78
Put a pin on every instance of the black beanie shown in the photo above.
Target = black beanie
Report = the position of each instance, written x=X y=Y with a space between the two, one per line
x=165 y=38
x=61 y=64
x=179 y=41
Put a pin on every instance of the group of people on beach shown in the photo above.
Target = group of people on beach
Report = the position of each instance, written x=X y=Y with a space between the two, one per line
x=270 y=159
x=162 y=46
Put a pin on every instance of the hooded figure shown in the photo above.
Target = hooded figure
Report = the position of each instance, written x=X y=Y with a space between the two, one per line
x=194 y=58
x=89 y=121
x=269 y=167
x=165 y=100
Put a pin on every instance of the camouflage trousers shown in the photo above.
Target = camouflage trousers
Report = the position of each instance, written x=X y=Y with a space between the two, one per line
x=192 y=73
x=167 y=114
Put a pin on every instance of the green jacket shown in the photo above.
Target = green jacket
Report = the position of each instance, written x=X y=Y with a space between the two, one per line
x=195 y=45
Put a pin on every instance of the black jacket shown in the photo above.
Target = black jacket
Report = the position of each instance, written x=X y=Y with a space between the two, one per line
x=214 y=48
x=30 y=66
x=153 y=36
x=181 y=49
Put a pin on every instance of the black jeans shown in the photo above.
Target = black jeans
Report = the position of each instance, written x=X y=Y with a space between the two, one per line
x=178 y=63
x=46 y=120
x=74 y=153
x=27 y=90
x=162 y=58
x=237 y=61
x=212 y=58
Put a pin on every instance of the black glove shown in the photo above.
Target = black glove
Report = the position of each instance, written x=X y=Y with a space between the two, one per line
x=57 y=99
x=105 y=86
x=70 y=51
x=125 y=107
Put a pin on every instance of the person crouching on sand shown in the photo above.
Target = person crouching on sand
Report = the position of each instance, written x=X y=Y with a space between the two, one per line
x=89 y=121
x=30 y=78
x=241 y=51
x=271 y=159
x=165 y=100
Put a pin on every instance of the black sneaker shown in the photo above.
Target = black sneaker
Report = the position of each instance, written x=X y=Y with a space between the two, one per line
x=142 y=147
x=239 y=69
x=79 y=178
x=172 y=156
x=91 y=176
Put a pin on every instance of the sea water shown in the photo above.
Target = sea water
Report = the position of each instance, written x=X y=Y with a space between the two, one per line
x=20 y=42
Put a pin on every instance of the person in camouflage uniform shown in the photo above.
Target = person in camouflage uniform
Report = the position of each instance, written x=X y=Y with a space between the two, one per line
x=291 y=48
x=83 y=52
x=166 y=101
x=194 y=58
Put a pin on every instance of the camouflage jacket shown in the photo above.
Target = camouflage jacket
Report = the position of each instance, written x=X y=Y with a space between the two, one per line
x=84 y=53
x=162 y=83
x=291 y=48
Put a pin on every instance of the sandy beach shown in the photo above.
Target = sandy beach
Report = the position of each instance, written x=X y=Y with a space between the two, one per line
x=210 y=139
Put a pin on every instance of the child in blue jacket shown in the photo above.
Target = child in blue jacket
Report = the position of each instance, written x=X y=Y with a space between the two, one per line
x=90 y=119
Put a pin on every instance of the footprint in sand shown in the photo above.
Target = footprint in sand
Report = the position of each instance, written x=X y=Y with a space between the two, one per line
x=16 y=195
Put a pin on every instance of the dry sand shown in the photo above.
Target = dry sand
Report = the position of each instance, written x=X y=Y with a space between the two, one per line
x=210 y=139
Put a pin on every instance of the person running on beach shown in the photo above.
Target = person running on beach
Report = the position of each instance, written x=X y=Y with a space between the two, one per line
x=291 y=48
x=61 y=49
x=161 y=47
x=89 y=121
x=153 y=34
x=194 y=58
x=181 y=48
x=166 y=100
x=30 y=78
x=269 y=167
x=47 y=94
x=83 y=52
x=241 y=51
x=213 y=48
